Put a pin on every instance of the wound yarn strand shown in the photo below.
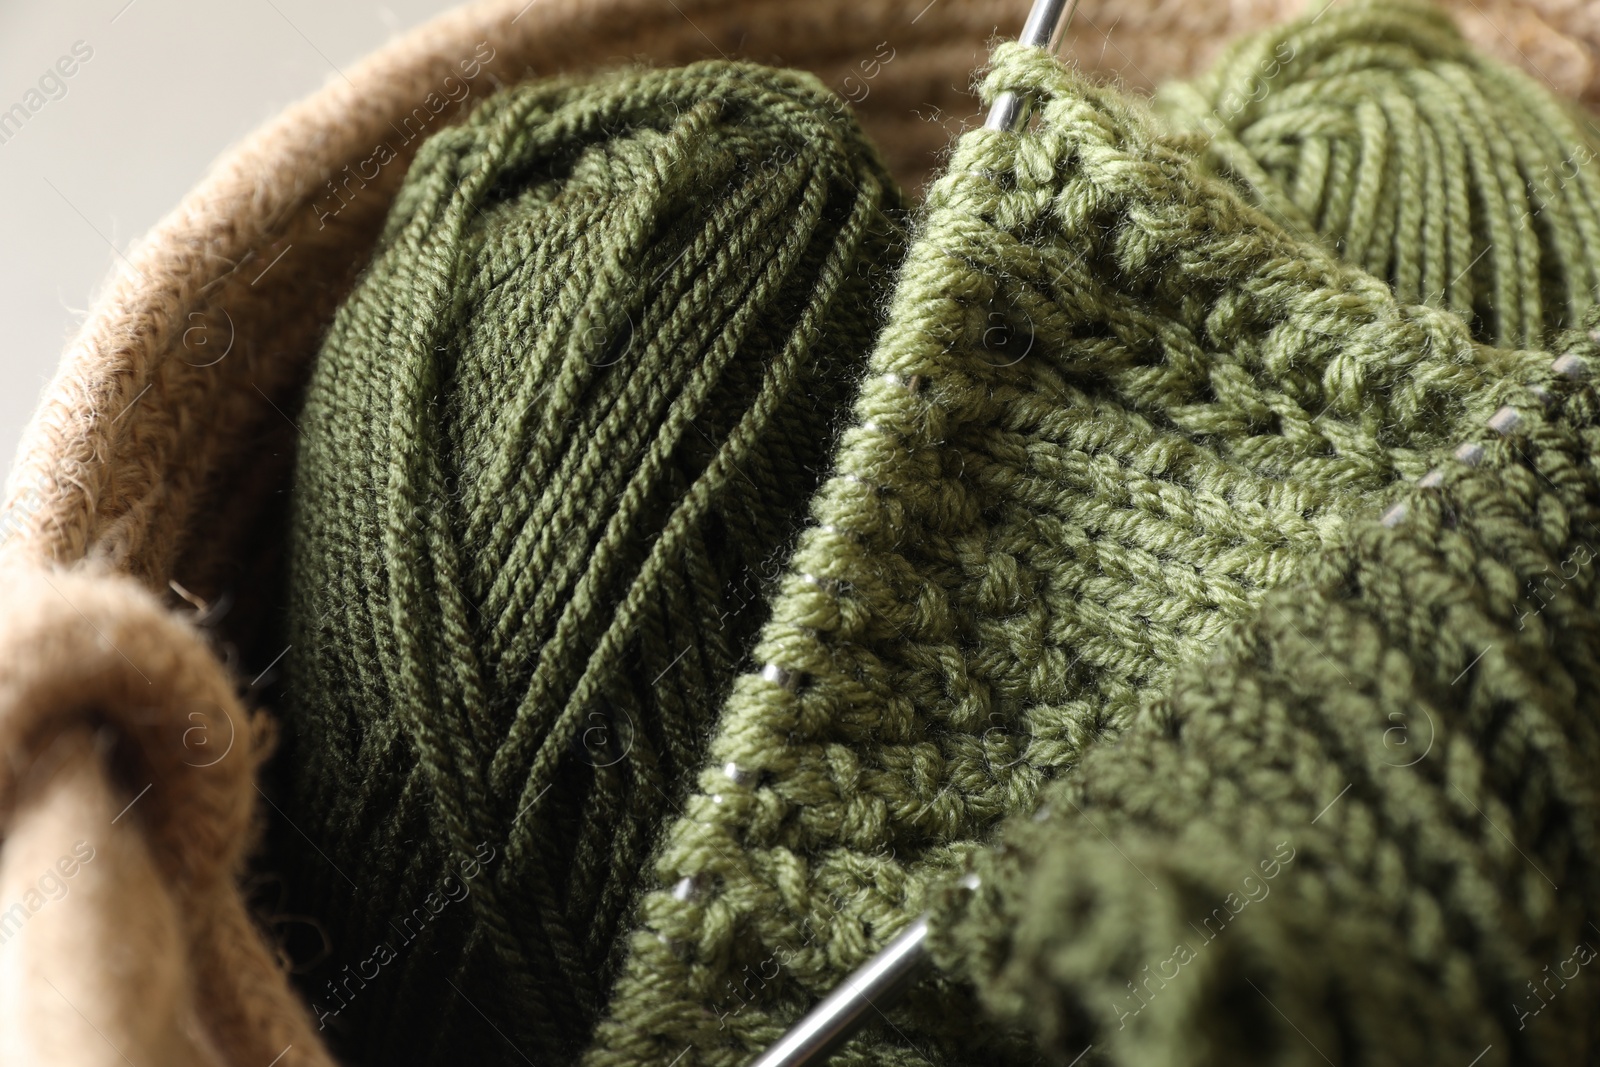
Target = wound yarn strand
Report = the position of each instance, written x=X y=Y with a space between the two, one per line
x=551 y=443
x=643 y=537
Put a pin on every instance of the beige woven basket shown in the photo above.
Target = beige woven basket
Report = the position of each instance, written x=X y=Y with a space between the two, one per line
x=161 y=452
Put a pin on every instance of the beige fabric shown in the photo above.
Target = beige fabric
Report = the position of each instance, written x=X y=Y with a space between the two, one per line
x=162 y=449
x=127 y=799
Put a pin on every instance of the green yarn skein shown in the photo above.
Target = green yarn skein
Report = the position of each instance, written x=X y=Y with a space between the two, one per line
x=1362 y=827
x=1463 y=183
x=1114 y=408
x=554 y=447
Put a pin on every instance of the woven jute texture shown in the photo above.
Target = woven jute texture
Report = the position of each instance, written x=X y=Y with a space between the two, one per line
x=160 y=452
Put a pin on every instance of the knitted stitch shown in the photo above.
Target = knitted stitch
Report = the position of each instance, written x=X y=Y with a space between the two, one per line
x=550 y=449
x=1113 y=406
x=1366 y=828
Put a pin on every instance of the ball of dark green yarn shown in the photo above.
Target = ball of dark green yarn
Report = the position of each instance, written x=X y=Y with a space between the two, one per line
x=554 y=448
x=1462 y=182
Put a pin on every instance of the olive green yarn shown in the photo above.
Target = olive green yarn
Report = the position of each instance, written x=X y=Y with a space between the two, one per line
x=1461 y=182
x=1415 y=726
x=1114 y=405
x=1121 y=397
x=554 y=447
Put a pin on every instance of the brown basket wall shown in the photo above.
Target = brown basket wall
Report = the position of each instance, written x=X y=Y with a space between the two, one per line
x=151 y=459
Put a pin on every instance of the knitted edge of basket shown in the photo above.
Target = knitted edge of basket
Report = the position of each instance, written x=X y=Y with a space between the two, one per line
x=145 y=429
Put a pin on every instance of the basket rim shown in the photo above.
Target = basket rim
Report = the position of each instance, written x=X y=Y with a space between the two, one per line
x=115 y=458
x=138 y=434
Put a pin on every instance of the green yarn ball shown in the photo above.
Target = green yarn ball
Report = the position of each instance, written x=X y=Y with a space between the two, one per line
x=554 y=448
x=1121 y=448
x=1461 y=182
x=1088 y=544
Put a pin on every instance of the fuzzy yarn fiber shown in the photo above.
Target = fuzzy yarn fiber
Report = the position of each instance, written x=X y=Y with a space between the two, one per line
x=554 y=448
x=1462 y=183
x=1098 y=566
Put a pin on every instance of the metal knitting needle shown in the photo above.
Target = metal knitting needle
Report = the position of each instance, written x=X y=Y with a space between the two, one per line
x=886 y=977
x=879 y=982
x=1047 y=23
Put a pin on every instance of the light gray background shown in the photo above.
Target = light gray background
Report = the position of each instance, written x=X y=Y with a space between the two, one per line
x=171 y=84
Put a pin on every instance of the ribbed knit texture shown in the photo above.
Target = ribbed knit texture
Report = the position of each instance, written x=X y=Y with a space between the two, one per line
x=1365 y=829
x=553 y=450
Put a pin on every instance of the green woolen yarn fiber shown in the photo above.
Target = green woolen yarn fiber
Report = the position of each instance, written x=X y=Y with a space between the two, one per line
x=1100 y=541
x=1365 y=828
x=1461 y=182
x=554 y=448
x=739 y=605
x=1362 y=828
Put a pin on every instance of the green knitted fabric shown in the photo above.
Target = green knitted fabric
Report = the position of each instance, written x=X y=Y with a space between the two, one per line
x=554 y=448
x=1365 y=829
x=1119 y=398
x=1461 y=182
x=1114 y=405
x=1339 y=835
